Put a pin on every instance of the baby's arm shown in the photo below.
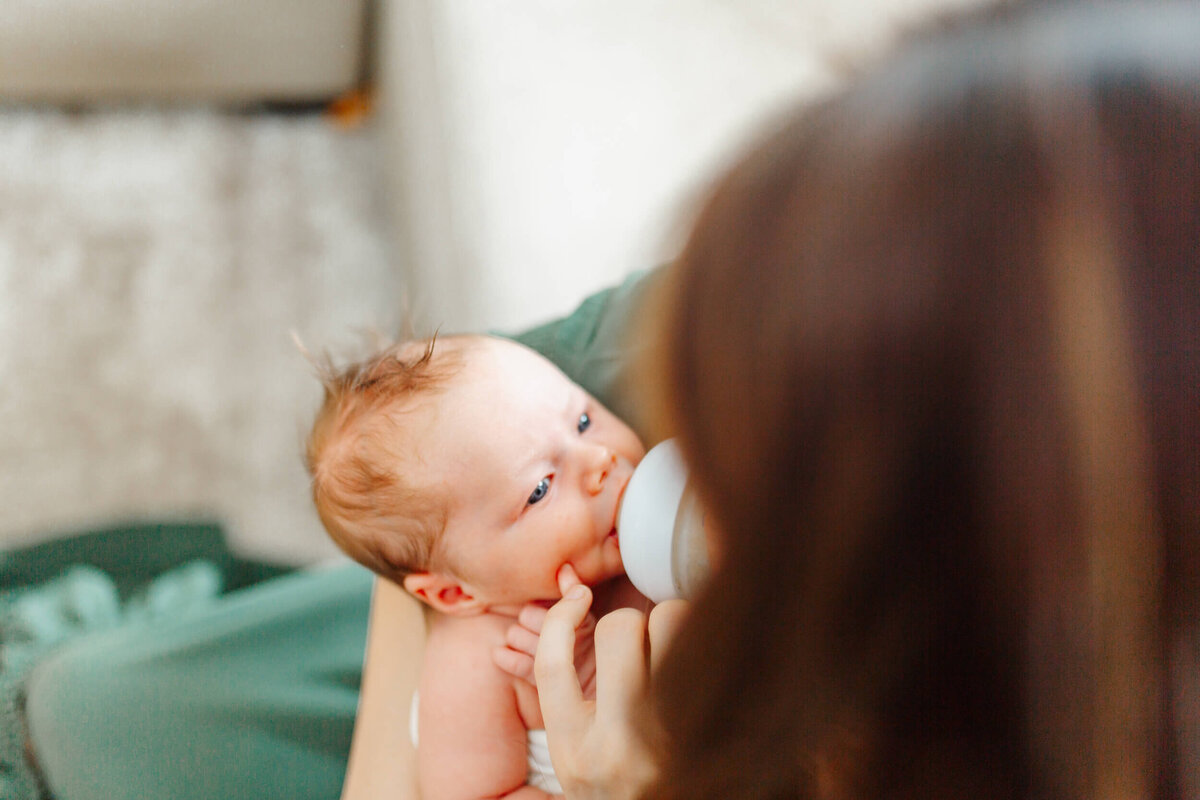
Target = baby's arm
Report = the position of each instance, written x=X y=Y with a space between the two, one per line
x=473 y=742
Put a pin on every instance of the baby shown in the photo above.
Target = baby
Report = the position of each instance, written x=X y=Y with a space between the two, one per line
x=471 y=471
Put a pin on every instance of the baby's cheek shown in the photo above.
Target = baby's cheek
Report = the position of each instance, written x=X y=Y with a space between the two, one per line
x=629 y=441
x=633 y=448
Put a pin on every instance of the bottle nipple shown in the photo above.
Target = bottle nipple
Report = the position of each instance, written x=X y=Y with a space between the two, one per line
x=660 y=525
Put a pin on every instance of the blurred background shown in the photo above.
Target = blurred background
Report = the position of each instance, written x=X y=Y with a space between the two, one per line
x=185 y=182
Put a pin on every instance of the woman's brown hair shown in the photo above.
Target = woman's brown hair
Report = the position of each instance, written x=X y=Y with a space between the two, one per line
x=933 y=355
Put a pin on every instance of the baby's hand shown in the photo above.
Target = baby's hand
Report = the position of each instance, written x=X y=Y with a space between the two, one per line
x=522 y=639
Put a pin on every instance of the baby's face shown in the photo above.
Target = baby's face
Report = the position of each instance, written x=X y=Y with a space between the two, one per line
x=533 y=469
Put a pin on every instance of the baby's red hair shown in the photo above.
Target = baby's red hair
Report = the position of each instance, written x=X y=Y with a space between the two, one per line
x=357 y=454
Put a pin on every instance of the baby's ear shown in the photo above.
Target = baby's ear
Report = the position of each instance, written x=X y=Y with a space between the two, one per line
x=443 y=593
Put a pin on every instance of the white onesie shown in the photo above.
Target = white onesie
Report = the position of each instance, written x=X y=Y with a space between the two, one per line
x=540 y=772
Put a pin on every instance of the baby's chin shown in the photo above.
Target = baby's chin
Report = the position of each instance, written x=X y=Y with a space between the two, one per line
x=597 y=574
x=610 y=572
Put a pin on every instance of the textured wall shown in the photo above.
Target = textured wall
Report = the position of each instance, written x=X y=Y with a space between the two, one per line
x=151 y=266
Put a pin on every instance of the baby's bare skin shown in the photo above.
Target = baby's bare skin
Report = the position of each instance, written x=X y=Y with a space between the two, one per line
x=473 y=715
x=532 y=470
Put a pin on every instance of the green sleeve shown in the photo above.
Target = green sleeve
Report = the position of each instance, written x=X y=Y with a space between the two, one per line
x=594 y=344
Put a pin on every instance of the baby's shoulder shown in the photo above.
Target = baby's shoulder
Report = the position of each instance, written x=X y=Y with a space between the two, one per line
x=458 y=657
x=459 y=673
x=464 y=641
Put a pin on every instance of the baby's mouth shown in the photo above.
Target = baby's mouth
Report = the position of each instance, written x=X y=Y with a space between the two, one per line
x=614 y=534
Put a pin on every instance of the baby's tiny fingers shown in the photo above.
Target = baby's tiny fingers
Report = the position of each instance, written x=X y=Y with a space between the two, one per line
x=521 y=639
x=532 y=617
x=519 y=665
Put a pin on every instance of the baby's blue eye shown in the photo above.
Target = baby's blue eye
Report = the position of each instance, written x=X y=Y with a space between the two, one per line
x=585 y=422
x=540 y=492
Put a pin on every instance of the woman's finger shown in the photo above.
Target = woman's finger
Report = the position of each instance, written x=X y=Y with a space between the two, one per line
x=567 y=578
x=620 y=664
x=665 y=619
x=564 y=709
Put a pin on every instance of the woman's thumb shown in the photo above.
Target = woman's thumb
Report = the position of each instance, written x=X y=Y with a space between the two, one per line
x=568 y=579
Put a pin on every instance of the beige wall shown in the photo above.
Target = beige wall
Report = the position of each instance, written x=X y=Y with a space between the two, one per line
x=544 y=149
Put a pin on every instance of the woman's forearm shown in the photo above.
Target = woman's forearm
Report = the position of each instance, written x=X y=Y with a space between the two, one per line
x=382 y=762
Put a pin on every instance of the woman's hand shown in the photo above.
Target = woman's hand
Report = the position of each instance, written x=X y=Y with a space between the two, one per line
x=595 y=750
x=516 y=657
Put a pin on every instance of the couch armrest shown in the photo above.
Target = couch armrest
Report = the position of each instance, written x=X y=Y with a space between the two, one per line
x=223 y=50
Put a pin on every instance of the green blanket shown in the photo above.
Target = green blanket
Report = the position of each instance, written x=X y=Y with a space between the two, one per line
x=97 y=581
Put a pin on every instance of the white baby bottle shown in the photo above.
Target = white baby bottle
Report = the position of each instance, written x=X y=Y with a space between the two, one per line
x=660 y=526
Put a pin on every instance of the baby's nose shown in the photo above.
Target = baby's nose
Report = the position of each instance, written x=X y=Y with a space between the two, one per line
x=603 y=462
